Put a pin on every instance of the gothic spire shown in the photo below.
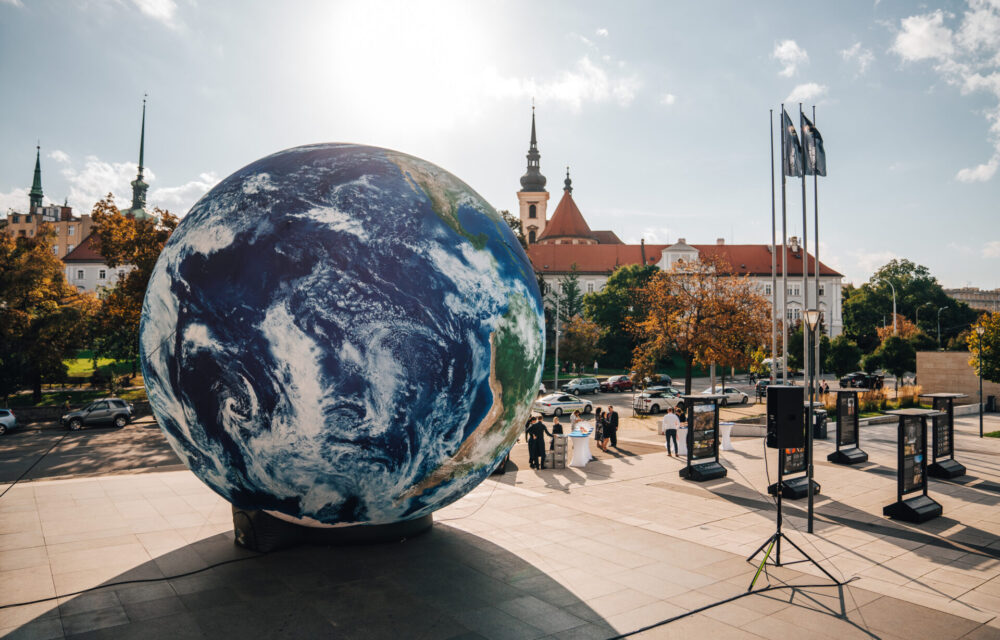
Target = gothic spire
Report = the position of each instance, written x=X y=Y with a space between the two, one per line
x=533 y=180
x=35 y=194
x=139 y=186
x=567 y=183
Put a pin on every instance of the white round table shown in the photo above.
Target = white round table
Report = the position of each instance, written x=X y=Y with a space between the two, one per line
x=682 y=442
x=581 y=448
x=727 y=431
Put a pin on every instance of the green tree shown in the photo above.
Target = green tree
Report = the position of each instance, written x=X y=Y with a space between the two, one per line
x=514 y=223
x=872 y=362
x=124 y=240
x=843 y=356
x=580 y=342
x=570 y=296
x=42 y=318
x=989 y=344
x=898 y=356
x=611 y=308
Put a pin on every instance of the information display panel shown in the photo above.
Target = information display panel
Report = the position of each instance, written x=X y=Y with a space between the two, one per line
x=943 y=445
x=793 y=460
x=912 y=468
x=703 y=431
x=847 y=419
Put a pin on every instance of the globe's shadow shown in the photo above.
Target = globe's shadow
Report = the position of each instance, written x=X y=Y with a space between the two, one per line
x=445 y=583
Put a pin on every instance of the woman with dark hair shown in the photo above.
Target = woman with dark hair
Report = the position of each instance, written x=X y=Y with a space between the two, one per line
x=598 y=425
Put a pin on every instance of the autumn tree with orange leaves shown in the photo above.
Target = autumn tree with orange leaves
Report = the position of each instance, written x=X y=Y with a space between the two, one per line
x=702 y=312
x=42 y=318
x=124 y=240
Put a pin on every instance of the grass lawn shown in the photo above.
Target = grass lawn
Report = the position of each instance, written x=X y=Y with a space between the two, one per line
x=82 y=366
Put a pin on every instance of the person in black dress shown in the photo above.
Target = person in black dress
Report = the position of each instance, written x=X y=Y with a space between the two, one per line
x=535 y=434
x=611 y=427
x=556 y=428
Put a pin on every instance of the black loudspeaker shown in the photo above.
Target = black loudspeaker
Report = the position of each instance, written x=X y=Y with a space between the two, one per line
x=785 y=421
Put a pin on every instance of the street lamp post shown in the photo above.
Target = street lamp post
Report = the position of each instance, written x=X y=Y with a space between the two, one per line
x=893 y=305
x=940 y=309
x=917 y=320
x=812 y=321
x=979 y=332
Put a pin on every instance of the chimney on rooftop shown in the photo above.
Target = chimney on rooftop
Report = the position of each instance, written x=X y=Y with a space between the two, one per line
x=793 y=244
x=720 y=241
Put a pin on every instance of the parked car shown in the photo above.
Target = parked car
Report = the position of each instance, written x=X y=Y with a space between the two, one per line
x=617 y=384
x=729 y=395
x=654 y=402
x=655 y=379
x=862 y=380
x=557 y=404
x=8 y=421
x=582 y=385
x=106 y=411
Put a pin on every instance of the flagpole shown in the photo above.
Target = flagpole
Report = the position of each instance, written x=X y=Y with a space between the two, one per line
x=805 y=340
x=784 y=255
x=816 y=360
x=774 y=263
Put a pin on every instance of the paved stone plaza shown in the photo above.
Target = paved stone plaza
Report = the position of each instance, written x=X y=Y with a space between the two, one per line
x=571 y=553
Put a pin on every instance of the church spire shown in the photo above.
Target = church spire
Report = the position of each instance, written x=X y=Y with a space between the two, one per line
x=36 y=185
x=567 y=183
x=139 y=186
x=533 y=180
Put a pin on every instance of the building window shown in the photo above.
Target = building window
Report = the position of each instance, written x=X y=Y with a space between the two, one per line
x=79 y=274
x=55 y=249
x=531 y=237
x=822 y=290
x=121 y=274
x=793 y=291
x=102 y=274
x=20 y=233
x=72 y=230
x=590 y=287
x=767 y=289
x=532 y=211
x=13 y=218
x=793 y=314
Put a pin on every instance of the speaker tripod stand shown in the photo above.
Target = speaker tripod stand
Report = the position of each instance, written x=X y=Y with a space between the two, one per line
x=774 y=542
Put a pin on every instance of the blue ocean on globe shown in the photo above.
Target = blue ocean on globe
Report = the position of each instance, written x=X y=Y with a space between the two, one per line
x=342 y=334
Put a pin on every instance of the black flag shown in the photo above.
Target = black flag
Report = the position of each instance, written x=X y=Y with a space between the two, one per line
x=792 y=162
x=815 y=153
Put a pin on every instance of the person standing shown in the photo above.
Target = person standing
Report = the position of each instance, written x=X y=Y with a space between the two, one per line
x=557 y=428
x=535 y=434
x=574 y=420
x=595 y=367
x=671 y=423
x=611 y=428
x=599 y=427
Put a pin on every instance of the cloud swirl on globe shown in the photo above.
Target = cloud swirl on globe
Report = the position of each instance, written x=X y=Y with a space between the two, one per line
x=342 y=334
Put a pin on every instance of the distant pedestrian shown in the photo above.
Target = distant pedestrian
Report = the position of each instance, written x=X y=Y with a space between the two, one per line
x=671 y=423
x=610 y=428
x=595 y=367
x=557 y=429
x=535 y=434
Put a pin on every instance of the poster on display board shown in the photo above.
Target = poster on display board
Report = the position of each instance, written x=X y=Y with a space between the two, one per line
x=847 y=417
x=703 y=431
x=793 y=460
x=913 y=454
x=943 y=444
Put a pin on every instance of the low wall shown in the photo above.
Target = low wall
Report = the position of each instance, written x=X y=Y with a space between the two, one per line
x=949 y=372
x=28 y=415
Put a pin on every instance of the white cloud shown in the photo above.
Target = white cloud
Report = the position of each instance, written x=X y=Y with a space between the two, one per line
x=602 y=32
x=924 y=37
x=586 y=82
x=980 y=29
x=668 y=99
x=13 y=3
x=980 y=173
x=991 y=249
x=16 y=199
x=179 y=200
x=60 y=156
x=862 y=264
x=164 y=11
x=790 y=55
x=858 y=55
x=806 y=92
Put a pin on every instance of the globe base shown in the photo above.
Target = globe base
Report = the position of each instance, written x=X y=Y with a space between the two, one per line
x=260 y=531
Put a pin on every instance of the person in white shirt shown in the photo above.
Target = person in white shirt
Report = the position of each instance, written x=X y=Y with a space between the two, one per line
x=671 y=423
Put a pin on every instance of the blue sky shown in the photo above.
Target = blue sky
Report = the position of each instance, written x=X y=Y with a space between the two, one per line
x=659 y=109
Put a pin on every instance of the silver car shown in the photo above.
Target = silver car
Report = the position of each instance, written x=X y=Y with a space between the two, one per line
x=7 y=421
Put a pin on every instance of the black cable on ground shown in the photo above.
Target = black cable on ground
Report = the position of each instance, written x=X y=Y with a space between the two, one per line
x=33 y=464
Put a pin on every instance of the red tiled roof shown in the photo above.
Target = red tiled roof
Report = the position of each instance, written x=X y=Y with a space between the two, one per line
x=86 y=251
x=751 y=259
x=567 y=221
x=607 y=237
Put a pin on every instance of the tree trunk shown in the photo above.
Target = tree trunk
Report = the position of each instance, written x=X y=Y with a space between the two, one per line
x=688 y=371
x=36 y=387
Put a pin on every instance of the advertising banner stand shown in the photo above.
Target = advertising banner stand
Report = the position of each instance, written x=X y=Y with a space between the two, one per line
x=702 y=439
x=848 y=432
x=943 y=463
x=795 y=461
x=911 y=469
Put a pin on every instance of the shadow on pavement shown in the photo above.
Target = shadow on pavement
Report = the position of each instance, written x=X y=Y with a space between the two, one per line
x=443 y=584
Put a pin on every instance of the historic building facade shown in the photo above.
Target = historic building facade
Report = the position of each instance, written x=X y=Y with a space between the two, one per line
x=557 y=244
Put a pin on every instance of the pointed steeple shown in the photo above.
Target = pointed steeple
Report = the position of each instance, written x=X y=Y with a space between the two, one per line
x=139 y=186
x=533 y=180
x=36 y=185
x=567 y=183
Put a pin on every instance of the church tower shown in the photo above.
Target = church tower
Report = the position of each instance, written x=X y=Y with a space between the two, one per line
x=533 y=198
x=139 y=186
x=35 y=194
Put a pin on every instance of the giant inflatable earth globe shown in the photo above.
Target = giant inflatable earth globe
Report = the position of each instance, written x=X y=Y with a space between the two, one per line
x=341 y=334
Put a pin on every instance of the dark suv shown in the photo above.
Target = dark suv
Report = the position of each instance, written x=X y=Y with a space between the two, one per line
x=106 y=411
